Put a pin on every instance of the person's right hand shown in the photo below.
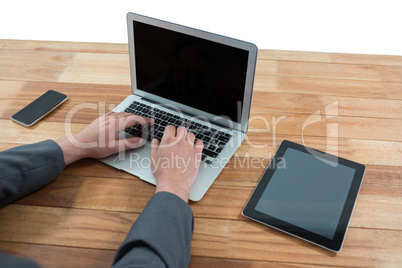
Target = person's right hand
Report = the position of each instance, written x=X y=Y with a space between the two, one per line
x=175 y=161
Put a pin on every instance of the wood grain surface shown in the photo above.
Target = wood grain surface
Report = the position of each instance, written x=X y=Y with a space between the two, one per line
x=79 y=220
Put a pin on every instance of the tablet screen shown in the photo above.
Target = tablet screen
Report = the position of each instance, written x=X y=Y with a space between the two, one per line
x=316 y=197
x=308 y=194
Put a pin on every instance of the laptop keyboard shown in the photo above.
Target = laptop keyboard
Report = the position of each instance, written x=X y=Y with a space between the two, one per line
x=213 y=139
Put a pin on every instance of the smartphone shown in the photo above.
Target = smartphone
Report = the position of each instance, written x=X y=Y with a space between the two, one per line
x=39 y=108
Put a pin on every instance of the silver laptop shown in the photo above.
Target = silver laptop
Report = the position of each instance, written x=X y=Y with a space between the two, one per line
x=187 y=77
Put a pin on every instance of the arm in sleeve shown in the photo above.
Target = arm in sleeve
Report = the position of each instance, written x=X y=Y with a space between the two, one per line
x=27 y=168
x=8 y=261
x=161 y=236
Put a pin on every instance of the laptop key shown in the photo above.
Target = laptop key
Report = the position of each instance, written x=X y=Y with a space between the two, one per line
x=211 y=147
x=223 y=138
x=134 y=131
x=209 y=153
x=128 y=110
x=132 y=106
x=227 y=135
x=208 y=161
x=206 y=139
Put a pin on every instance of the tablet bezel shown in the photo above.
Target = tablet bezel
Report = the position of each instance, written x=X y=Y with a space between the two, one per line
x=334 y=244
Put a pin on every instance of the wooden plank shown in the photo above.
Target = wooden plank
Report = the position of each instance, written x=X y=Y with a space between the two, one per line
x=64 y=227
x=368 y=207
x=60 y=257
x=285 y=55
x=250 y=240
x=235 y=263
x=11 y=89
x=328 y=87
x=212 y=237
x=31 y=73
x=36 y=66
x=98 y=68
x=88 y=47
x=330 y=70
x=370 y=152
x=15 y=133
x=310 y=103
x=319 y=125
x=94 y=193
x=34 y=58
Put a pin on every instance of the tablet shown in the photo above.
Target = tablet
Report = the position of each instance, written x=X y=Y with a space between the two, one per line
x=308 y=194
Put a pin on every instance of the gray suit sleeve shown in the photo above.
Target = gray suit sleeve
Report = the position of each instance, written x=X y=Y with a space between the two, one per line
x=27 y=168
x=8 y=261
x=161 y=236
x=24 y=170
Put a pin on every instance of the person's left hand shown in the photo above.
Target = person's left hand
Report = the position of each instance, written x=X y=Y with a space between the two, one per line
x=99 y=139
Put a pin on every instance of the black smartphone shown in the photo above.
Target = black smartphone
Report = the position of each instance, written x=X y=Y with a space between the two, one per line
x=39 y=108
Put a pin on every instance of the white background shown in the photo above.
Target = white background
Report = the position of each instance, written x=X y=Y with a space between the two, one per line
x=354 y=26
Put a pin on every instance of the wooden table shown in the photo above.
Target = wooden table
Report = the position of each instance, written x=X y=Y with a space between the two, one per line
x=81 y=218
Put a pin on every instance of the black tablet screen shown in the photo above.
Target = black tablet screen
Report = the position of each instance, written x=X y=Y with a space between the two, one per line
x=310 y=198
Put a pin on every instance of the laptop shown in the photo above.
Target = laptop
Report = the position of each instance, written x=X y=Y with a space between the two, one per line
x=187 y=77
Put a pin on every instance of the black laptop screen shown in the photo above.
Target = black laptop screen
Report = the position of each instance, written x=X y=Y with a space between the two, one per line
x=193 y=71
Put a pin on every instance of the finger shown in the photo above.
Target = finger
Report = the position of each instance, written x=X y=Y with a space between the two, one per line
x=181 y=133
x=169 y=134
x=191 y=138
x=199 y=145
x=154 y=147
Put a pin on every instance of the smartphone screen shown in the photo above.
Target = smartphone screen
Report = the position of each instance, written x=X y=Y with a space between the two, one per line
x=39 y=108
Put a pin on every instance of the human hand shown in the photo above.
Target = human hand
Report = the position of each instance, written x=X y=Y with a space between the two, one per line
x=175 y=161
x=99 y=138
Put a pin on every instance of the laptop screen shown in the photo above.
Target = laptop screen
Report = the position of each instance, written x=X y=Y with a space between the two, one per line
x=199 y=73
